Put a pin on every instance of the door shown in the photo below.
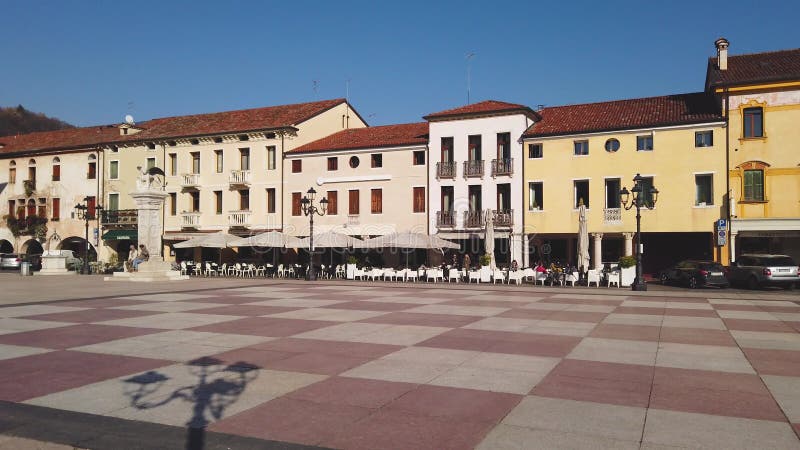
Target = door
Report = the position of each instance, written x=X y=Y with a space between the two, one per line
x=503 y=197
x=612 y=193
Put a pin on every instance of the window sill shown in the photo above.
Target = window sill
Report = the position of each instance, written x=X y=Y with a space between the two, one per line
x=757 y=138
x=644 y=151
x=537 y=210
x=578 y=156
x=753 y=202
x=704 y=206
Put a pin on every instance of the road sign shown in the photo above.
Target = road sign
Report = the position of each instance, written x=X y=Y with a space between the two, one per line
x=722 y=237
x=722 y=223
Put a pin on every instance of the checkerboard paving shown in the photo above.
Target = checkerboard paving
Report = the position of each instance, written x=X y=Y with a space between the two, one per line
x=367 y=365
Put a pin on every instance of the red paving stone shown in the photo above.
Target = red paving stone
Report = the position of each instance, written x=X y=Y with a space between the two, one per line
x=578 y=316
x=350 y=349
x=245 y=310
x=33 y=376
x=780 y=309
x=775 y=326
x=526 y=313
x=697 y=336
x=91 y=315
x=73 y=335
x=229 y=300
x=292 y=420
x=252 y=356
x=504 y=342
x=582 y=301
x=398 y=430
x=265 y=326
x=774 y=362
x=629 y=332
x=318 y=363
x=364 y=393
x=463 y=404
x=491 y=303
x=103 y=303
x=618 y=384
x=373 y=306
x=422 y=319
x=654 y=311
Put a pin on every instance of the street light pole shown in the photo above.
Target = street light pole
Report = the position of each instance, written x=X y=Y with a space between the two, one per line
x=82 y=210
x=310 y=210
x=640 y=199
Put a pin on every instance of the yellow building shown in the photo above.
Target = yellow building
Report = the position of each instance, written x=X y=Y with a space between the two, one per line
x=587 y=153
x=760 y=95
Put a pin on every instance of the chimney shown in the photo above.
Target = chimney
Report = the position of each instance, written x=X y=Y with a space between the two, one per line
x=722 y=53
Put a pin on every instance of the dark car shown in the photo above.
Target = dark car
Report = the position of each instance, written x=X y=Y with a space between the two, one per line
x=756 y=271
x=696 y=274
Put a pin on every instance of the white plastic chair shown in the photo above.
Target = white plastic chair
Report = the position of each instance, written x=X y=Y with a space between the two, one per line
x=221 y=270
x=539 y=277
x=593 y=276
x=454 y=274
x=515 y=276
x=498 y=274
x=474 y=275
x=389 y=274
x=184 y=270
x=209 y=272
x=571 y=278
x=411 y=275
x=359 y=273
x=613 y=278
x=232 y=269
x=198 y=269
x=432 y=274
x=340 y=273
x=529 y=274
x=375 y=274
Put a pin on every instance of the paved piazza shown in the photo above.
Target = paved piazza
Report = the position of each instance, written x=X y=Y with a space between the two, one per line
x=392 y=366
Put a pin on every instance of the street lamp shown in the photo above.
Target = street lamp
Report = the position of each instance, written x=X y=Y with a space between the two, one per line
x=642 y=196
x=82 y=212
x=310 y=210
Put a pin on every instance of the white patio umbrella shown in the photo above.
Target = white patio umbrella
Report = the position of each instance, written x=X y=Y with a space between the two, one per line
x=329 y=239
x=583 y=239
x=490 y=237
x=408 y=239
x=216 y=240
x=268 y=239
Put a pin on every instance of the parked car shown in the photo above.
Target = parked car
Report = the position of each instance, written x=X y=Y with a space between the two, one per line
x=10 y=261
x=696 y=274
x=757 y=271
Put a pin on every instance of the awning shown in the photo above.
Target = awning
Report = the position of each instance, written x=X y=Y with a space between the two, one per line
x=121 y=235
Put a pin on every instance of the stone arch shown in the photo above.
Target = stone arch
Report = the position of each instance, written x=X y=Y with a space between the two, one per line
x=6 y=246
x=77 y=245
x=32 y=247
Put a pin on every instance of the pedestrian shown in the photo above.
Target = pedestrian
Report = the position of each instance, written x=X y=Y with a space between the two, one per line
x=467 y=261
x=143 y=256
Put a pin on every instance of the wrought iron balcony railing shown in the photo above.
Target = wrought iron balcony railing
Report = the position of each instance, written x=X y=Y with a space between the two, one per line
x=502 y=167
x=445 y=219
x=446 y=169
x=473 y=168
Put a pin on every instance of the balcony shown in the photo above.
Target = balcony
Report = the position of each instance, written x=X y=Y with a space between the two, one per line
x=120 y=218
x=239 y=219
x=445 y=219
x=446 y=169
x=473 y=219
x=473 y=168
x=190 y=219
x=353 y=220
x=502 y=167
x=190 y=180
x=612 y=216
x=503 y=218
x=239 y=178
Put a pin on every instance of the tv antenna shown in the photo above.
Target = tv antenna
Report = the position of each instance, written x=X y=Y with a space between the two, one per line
x=129 y=119
x=470 y=55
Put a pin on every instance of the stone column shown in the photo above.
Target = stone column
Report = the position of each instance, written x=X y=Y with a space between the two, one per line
x=628 y=243
x=526 y=250
x=732 y=247
x=598 y=250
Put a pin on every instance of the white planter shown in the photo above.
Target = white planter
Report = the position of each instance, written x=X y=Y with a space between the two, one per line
x=627 y=275
x=486 y=274
x=350 y=270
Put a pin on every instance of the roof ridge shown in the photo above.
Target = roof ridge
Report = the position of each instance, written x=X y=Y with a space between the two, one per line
x=769 y=52
x=626 y=100
x=244 y=109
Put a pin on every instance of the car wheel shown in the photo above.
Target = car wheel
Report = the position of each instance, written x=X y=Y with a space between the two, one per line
x=752 y=283
x=693 y=282
x=664 y=279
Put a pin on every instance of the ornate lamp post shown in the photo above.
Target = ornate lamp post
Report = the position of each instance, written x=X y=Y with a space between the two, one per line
x=641 y=199
x=310 y=210
x=82 y=212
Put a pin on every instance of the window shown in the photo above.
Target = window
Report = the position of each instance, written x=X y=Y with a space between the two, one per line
x=12 y=172
x=581 y=188
x=753 y=122
x=612 y=145
x=535 y=196
x=534 y=151
x=474 y=147
x=418 y=158
x=113 y=202
x=447 y=149
x=354 y=162
x=271 y=157
x=754 y=185
x=151 y=146
x=647 y=183
x=376 y=160
x=612 y=193
x=244 y=158
x=297 y=166
x=296 y=208
x=218 y=202
x=644 y=143
x=217 y=140
x=581 y=148
x=31 y=208
x=195 y=196
x=91 y=203
x=173 y=203
x=91 y=174
x=194 y=141
x=113 y=170
x=56 y=169
x=353 y=198
x=244 y=200
x=32 y=170
x=333 y=201
x=56 y=209
x=219 y=160
x=195 y=162
x=503 y=145
x=12 y=206
x=446 y=196
x=704 y=139
x=173 y=164
x=333 y=163
x=704 y=185
x=270 y=200
x=419 y=199
x=151 y=162
x=376 y=197
x=475 y=198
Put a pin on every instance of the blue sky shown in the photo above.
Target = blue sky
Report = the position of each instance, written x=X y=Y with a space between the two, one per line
x=92 y=62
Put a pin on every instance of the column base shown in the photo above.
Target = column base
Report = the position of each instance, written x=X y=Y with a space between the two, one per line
x=639 y=285
x=153 y=270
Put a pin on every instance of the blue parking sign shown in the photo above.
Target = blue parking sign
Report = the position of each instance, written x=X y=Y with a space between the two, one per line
x=722 y=223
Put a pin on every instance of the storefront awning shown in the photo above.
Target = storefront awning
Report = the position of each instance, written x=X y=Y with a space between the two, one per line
x=120 y=235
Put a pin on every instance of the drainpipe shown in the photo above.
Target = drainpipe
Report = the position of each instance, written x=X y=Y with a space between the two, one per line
x=727 y=173
x=164 y=206
x=283 y=185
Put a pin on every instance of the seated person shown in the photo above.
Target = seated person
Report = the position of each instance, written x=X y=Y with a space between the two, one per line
x=143 y=256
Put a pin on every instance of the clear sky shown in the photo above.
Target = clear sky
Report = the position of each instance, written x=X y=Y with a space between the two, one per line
x=92 y=62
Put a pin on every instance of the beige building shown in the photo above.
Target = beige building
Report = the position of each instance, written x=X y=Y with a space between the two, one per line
x=375 y=180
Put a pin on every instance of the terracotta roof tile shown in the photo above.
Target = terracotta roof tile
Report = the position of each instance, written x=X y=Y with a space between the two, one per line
x=488 y=107
x=370 y=137
x=626 y=114
x=68 y=139
x=755 y=68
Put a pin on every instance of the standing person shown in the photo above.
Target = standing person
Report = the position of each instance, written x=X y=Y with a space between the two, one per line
x=454 y=264
x=467 y=261
x=132 y=254
x=143 y=256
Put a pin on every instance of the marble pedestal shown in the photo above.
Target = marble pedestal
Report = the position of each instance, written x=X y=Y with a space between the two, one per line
x=54 y=265
x=154 y=270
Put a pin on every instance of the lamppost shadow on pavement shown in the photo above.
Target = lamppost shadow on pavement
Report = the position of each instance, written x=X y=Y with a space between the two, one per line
x=218 y=386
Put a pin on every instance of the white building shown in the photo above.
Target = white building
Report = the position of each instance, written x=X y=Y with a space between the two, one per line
x=475 y=173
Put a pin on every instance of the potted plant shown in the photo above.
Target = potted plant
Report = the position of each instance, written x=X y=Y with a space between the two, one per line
x=627 y=270
x=485 y=261
x=535 y=206
x=350 y=267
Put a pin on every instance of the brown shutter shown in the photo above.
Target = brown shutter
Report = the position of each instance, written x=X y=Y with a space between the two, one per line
x=297 y=166
x=377 y=201
x=91 y=203
x=419 y=199
x=353 y=202
x=56 y=208
x=57 y=172
x=12 y=207
x=296 y=209
x=333 y=208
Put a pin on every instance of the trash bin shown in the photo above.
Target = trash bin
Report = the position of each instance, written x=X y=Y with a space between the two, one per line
x=25 y=268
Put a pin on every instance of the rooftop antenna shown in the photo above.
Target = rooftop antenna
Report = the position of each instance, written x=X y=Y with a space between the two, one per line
x=470 y=55
x=347 y=90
